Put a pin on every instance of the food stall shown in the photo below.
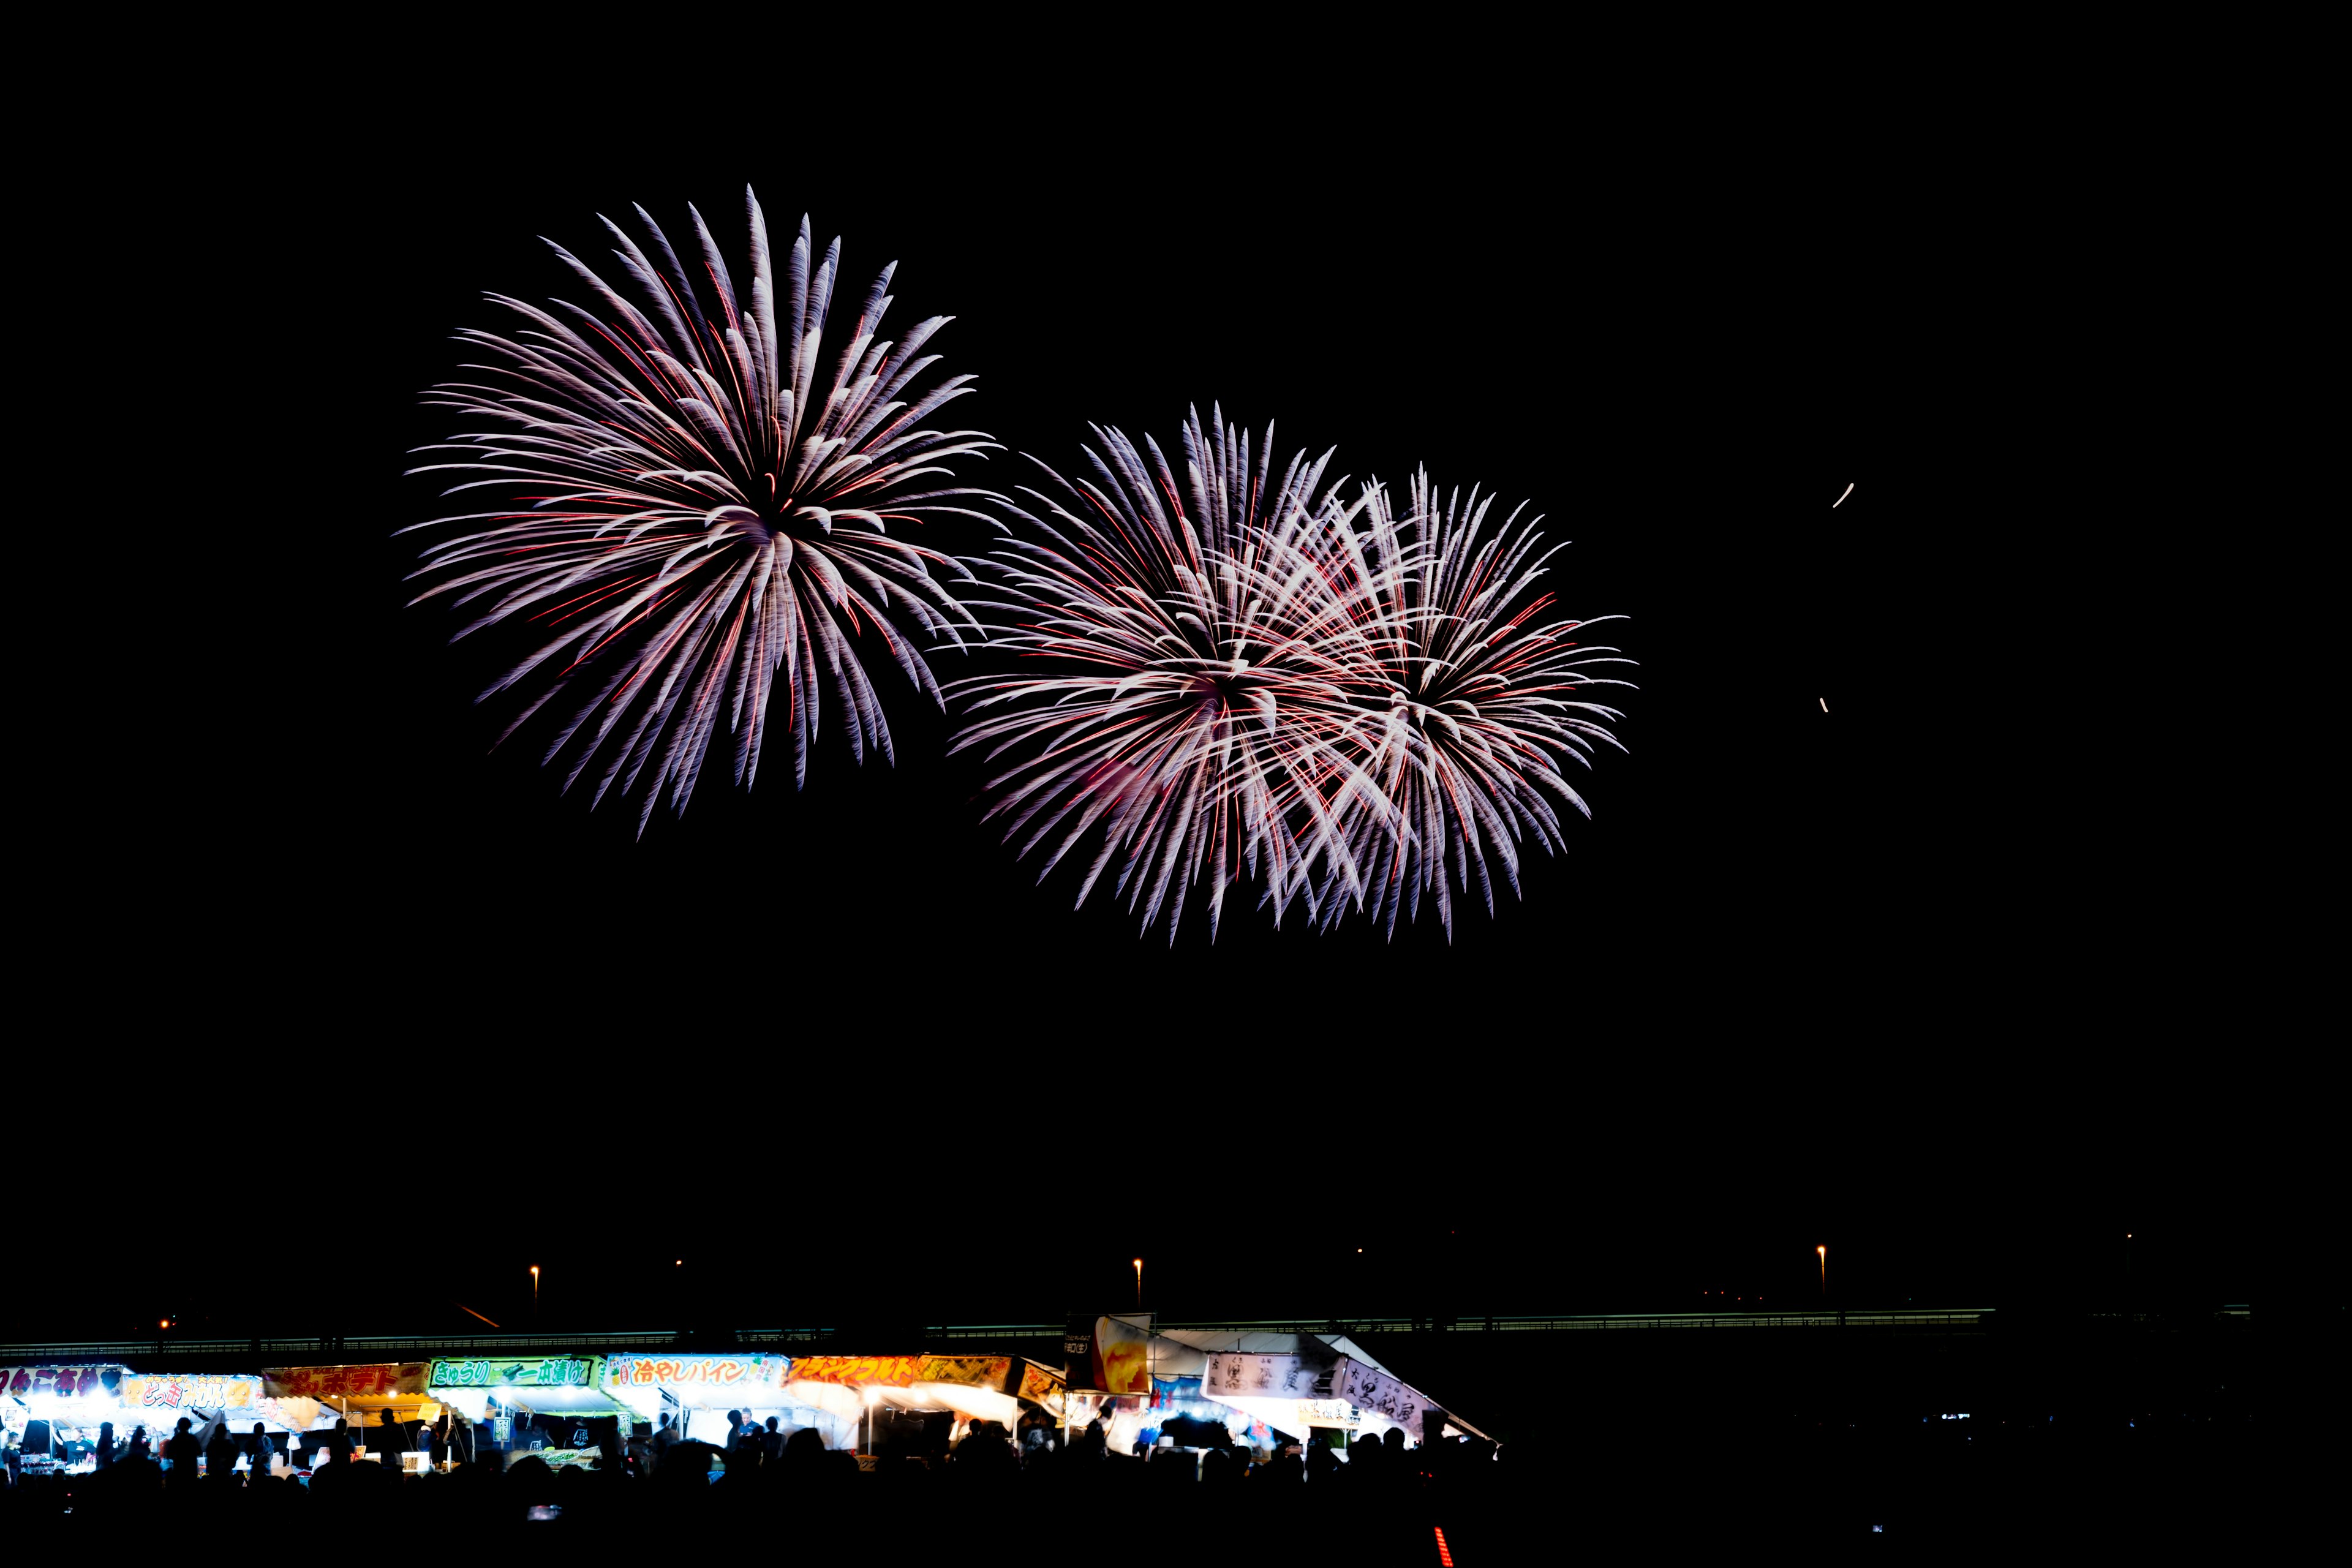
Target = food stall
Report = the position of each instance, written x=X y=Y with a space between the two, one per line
x=383 y=1403
x=694 y=1393
x=1263 y=1388
x=74 y=1401
x=867 y=1395
x=558 y=1407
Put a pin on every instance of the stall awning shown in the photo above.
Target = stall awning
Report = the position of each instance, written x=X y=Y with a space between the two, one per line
x=986 y=1387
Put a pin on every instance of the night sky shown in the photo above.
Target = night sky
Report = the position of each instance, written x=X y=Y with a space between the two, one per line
x=1872 y=977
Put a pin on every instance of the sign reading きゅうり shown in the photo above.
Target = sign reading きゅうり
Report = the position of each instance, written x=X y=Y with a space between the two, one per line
x=708 y=1371
x=535 y=1371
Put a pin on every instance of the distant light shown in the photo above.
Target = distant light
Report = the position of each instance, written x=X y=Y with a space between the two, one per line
x=163 y=1324
x=681 y=1263
x=1445 y=1557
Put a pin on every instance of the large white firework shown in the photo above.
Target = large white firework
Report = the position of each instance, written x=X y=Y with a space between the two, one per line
x=699 y=499
x=1193 y=695
x=1468 y=683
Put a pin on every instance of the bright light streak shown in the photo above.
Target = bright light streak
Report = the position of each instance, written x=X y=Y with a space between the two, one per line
x=1824 y=702
x=1841 y=500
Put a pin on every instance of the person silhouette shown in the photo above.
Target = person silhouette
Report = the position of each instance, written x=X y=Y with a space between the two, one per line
x=181 y=1452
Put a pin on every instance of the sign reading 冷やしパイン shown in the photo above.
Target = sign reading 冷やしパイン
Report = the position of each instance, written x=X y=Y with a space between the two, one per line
x=717 y=1371
x=535 y=1371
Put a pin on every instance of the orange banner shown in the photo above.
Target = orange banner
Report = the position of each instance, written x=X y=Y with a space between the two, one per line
x=858 y=1371
x=971 y=1371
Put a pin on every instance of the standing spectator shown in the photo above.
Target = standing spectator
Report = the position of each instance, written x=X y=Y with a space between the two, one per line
x=138 y=1446
x=105 y=1449
x=261 y=1451
x=734 y=1429
x=181 y=1452
x=772 y=1443
x=339 y=1443
x=220 y=1454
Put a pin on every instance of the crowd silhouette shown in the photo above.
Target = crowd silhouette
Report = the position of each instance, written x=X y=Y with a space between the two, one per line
x=990 y=1498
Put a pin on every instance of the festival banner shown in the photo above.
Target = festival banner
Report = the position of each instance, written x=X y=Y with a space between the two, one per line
x=1246 y=1375
x=381 y=1382
x=1369 y=1388
x=516 y=1372
x=1041 y=1385
x=744 y=1372
x=859 y=1371
x=1110 y=1355
x=193 y=1391
x=98 y=1381
x=991 y=1372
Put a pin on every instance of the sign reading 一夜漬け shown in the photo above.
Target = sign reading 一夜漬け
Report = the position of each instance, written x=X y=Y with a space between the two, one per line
x=516 y=1371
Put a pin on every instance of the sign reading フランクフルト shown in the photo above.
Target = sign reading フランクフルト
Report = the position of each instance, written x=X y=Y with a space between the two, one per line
x=516 y=1372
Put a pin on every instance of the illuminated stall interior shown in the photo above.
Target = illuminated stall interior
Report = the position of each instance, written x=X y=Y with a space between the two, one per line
x=383 y=1404
x=524 y=1402
x=870 y=1397
x=74 y=1401
x=1261 y=1388
x=697 y=1392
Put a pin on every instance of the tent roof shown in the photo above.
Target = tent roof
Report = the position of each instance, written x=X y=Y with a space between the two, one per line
x=1255 y=1343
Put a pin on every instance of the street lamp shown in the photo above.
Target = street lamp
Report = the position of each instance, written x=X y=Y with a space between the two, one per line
x=534 y=1291
x=1139 y=1284
x=1825 y=1274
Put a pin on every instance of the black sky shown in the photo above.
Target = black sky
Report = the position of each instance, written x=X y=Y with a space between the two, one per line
x=1880 y=977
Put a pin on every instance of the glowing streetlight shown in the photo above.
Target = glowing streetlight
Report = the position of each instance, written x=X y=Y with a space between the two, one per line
x=534 y=1288
x=1825 y=1273
x=1139 y=1284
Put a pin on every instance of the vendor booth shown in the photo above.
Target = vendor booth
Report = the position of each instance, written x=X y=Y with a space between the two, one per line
x=385 y=1406
x=932 y=1401
x=692 y=1393
x=61 y=1408
x=1148 y=1386
x=558 y=1407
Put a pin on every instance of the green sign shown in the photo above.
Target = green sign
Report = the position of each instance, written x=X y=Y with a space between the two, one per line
x=516 y=1372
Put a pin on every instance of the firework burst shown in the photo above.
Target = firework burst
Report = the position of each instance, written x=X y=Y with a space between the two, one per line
x=1193 y=697
x=1466 y=680
x=698 y=498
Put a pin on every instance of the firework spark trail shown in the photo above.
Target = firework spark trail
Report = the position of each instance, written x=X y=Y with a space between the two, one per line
x=1192 y=706
x=1464 y=705
x=699 y=505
